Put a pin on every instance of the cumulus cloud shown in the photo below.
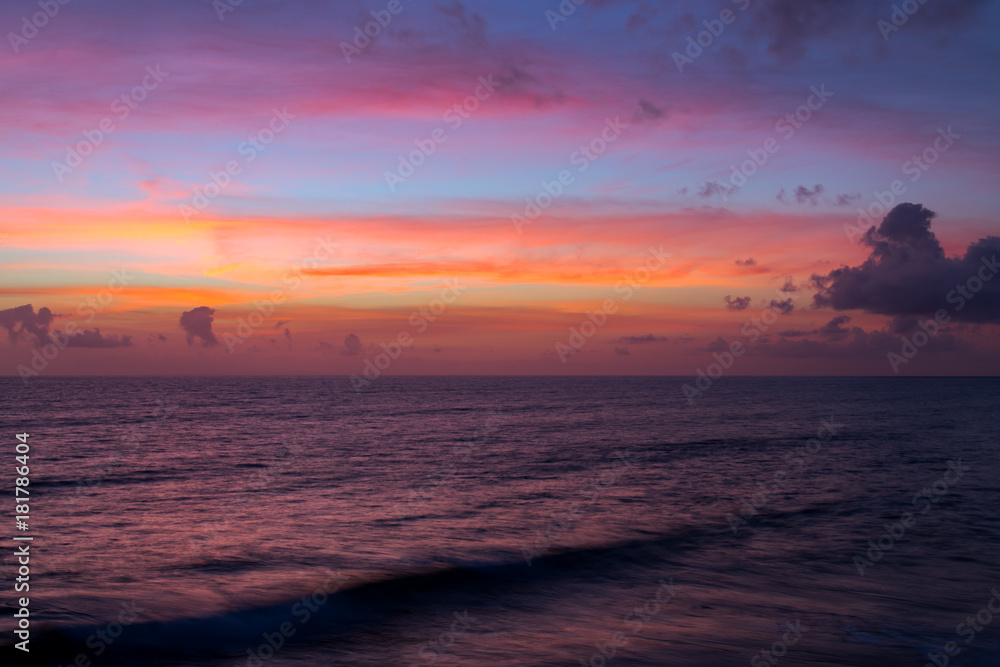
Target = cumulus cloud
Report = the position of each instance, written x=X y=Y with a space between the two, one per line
x=784 y=306
x=94 y=339
x=352 y=346
x=714 y=188
x=23 y=321
x=802 y=195
x=737 y=303
x=197 y=323
x=833 y=328
x=717 y=345
x=473 y=25
x=908 y=274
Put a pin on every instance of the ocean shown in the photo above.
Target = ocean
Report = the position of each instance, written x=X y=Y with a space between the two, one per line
x=544 y=521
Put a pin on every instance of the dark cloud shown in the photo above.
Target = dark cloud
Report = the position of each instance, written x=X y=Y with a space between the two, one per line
x=197 y=323
x=280 y=323
x=352 y=346
x=833 y=329
x=906 y=227
x=862 y=345
x=643 y=15
x=788 y=287
x=789 y=28
x=847 y=200
x=784 y=306
x=23 y=321
x=713 y=188
x=795 y=333
x=802 y=195
x=161 y=338
x=737 y=303
x=648 y=111
x=749 y=261
x=639 y=340
x=717 y=345
x=622 y=351
x=908 y=274
x=473 y=25
x=903 y=325
x=325 y=346
x=94 y=339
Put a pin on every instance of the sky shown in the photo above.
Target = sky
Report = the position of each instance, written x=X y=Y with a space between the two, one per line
x=745 y=187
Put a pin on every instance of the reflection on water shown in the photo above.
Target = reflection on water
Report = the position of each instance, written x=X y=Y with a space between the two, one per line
x=509 y=521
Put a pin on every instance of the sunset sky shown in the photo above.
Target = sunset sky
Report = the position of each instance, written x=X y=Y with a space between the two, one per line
x=195 y=187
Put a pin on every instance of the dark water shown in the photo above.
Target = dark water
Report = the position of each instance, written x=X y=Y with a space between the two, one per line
x=508 y=521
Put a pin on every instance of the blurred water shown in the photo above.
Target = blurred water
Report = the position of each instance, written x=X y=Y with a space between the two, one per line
x=507 y=521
